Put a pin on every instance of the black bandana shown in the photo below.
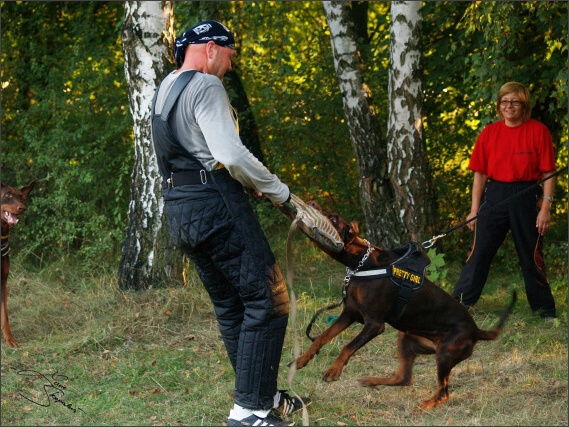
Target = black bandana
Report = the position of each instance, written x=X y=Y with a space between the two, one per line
x=203 y=32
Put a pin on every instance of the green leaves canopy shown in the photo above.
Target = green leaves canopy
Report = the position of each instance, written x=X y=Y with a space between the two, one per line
x=65 y=107
x=65 y=121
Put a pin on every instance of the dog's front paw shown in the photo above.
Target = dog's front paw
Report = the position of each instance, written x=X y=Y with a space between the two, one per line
x=11 y=341
x=332 y=374
x=303 y=360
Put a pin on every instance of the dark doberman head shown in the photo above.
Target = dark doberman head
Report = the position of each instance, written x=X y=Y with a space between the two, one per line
x=347 y=231
x=13 y=200
x=355 y=247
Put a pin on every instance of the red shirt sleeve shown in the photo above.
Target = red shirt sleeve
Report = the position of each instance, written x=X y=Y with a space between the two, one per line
x=479 y=157
x=546 y=151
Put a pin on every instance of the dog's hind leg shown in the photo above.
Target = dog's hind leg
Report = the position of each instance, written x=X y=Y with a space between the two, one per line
x=339 y=325
x=409 y=346
x=449 y=354
x=371 y=330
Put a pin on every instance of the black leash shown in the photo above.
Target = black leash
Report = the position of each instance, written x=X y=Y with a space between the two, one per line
x=429 y=243
x=330 y=307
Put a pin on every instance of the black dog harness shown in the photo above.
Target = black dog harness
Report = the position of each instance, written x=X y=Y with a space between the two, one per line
x=407 y=273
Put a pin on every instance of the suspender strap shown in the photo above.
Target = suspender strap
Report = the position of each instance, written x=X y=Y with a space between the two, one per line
x=171 y=155
x=174 y=94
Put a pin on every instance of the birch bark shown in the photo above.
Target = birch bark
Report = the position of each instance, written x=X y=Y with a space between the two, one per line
x=409 y=170
x=369 y=145
x=148 y=37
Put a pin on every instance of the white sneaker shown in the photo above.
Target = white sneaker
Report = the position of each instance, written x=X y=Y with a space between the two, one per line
x=255 y=420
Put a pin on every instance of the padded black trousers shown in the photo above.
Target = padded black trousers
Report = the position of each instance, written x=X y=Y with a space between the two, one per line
x=519 y=215
x=216 y=227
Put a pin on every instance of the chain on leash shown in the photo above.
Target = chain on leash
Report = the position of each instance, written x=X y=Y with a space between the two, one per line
x=350 y=273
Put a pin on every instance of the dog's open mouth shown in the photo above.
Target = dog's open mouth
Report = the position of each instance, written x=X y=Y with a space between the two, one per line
x=10 y=218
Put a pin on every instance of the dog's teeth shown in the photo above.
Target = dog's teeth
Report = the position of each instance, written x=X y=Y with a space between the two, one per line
x=10 y=218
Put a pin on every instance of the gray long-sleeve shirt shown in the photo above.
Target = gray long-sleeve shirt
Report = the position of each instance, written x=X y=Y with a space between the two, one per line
x=205 y=125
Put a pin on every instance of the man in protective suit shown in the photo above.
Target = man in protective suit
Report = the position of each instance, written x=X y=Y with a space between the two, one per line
x=205 y=168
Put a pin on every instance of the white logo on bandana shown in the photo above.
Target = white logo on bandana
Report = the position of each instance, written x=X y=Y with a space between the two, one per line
x=202 y=29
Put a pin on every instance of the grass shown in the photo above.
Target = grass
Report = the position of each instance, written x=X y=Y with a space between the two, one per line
x=156 y=357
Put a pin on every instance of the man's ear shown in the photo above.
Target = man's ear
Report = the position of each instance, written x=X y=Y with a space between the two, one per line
x=211 y=49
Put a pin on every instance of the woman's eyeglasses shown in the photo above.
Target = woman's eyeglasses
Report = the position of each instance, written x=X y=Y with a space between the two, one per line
x=515 y=103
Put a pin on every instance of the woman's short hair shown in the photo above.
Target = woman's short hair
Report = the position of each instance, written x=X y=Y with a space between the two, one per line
x=523 y=94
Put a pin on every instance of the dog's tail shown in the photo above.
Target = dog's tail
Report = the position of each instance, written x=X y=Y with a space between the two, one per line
x=493 y=333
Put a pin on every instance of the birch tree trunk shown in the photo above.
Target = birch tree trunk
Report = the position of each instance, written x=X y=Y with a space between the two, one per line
x=370 y=147
x=148 y=38
x=409 y=170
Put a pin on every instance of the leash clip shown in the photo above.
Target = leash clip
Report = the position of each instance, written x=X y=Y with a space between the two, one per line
x=427 y=244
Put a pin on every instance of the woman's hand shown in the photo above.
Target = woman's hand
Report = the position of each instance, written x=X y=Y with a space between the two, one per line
x=471 y=224
x=543 y=218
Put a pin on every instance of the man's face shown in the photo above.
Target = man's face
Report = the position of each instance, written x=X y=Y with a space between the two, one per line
x=220 y=60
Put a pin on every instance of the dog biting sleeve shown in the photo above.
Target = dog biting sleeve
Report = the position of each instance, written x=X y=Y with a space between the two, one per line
x=313 y=224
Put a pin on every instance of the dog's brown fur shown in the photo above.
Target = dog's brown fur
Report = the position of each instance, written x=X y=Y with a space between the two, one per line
x=13 y=200
x=432 y=322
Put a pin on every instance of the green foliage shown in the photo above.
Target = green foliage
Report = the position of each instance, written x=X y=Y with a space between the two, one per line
x=555 y=255
x=290 y=80
x=66 y=122
x=514 y=336
x=437 y=271
x=66 y=117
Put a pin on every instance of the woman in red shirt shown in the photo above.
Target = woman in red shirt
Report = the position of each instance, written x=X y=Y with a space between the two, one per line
x=509 y=156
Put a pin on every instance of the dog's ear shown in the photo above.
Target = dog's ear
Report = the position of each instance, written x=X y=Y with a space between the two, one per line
x=355 y=227
x=26 y=190
x=353 y=231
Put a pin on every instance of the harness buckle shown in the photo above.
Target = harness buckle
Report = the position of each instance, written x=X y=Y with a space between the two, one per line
x=203 y=176
x=170 y=180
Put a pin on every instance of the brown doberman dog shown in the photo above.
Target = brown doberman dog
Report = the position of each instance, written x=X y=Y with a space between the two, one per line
x=12 y=206
x=431 y=321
